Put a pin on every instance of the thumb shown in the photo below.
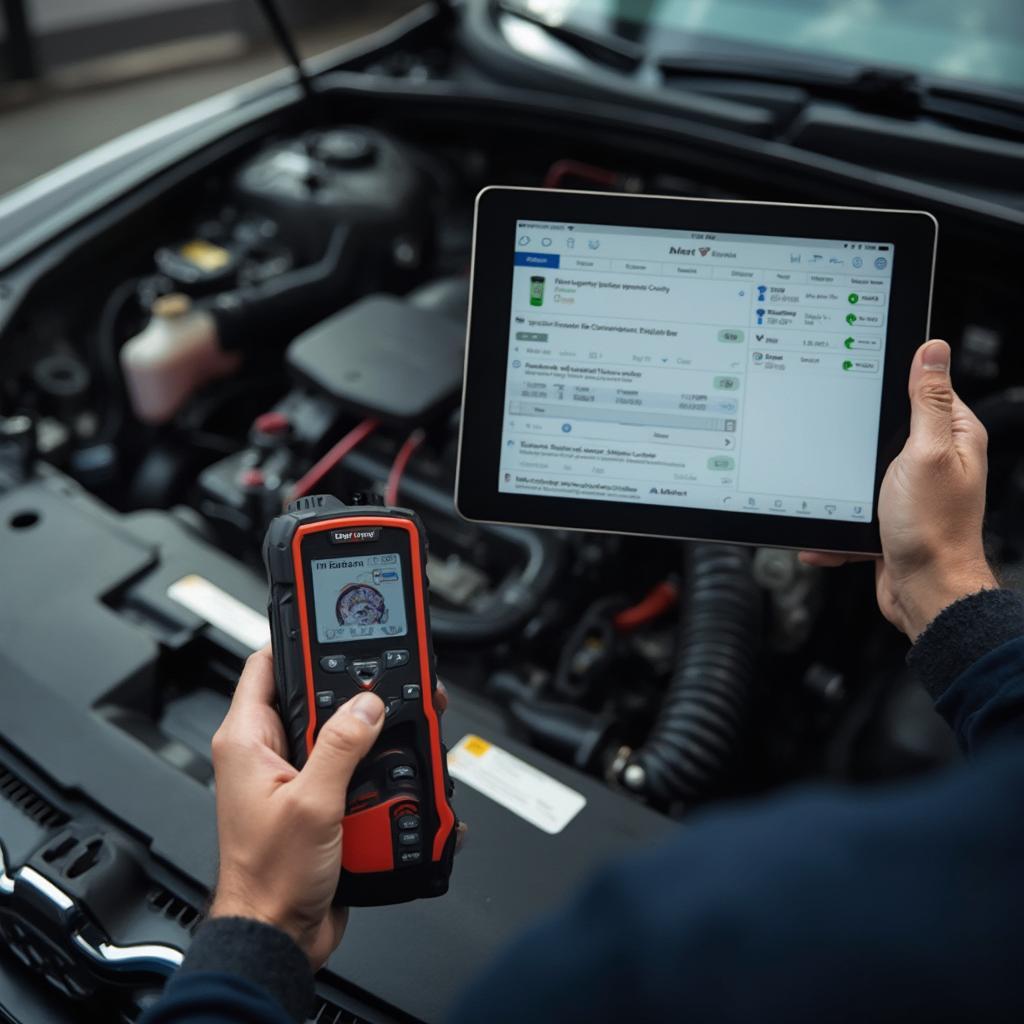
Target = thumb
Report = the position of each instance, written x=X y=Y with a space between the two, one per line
x=344 y=740
x=931 y=395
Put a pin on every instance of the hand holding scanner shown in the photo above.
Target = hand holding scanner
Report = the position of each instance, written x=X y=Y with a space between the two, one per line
x=349 y=614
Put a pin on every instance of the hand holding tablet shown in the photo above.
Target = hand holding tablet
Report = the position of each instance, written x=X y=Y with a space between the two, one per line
x=704 y=369
x=931 y=504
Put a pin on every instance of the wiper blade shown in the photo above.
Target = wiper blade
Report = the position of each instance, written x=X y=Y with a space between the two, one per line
x=611 y=51
x=888 y=91
x=997 y=110
x=899 y=91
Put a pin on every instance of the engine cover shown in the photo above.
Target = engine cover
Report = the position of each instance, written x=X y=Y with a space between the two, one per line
x=112 y=691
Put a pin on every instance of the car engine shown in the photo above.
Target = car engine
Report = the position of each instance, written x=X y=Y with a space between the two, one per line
x=288 y=317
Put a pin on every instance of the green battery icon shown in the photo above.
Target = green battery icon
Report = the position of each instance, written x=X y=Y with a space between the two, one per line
x=537 y=291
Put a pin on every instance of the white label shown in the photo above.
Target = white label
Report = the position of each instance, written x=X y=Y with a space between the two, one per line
x=516 y=785
x=220 y=609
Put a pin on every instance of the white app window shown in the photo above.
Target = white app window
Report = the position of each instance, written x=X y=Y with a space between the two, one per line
x=693 y=369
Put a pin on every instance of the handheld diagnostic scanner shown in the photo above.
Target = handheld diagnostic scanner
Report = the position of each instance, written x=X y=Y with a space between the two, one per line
x=348 y=614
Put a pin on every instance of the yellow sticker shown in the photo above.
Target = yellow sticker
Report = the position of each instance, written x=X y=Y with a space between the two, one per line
x=516 y=785
x=475 y=746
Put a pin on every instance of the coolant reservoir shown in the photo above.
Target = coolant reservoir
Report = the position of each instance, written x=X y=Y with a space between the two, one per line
x=176 y=354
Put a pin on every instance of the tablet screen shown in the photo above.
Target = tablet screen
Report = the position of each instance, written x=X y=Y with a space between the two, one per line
x=694 y=369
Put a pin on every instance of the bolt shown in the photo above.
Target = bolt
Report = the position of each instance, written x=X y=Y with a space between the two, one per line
x=406 y=253
x=634 y=776
x=15 y=426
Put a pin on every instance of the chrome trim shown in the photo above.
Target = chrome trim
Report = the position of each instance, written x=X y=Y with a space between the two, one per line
x=6 y=882
x=129 y=143
x=105 y=957
x=144 y=957
x=678 y=199
x=42 y=885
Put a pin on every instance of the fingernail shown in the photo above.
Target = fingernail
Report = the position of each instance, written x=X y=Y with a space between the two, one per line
x=936 y=356
x=366 y=707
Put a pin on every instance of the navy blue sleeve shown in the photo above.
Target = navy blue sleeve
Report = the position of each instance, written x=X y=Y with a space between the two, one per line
x=237 y=970
x=215 y=997
x=888 y=904
x=986 y=703
x=968 y=659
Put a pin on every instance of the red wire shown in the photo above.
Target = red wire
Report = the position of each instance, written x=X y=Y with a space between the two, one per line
x=655 y=603
x=405 y=453
x=564 y=168
x=331 y=458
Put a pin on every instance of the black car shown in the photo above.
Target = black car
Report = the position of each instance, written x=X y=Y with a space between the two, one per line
x=155 y=413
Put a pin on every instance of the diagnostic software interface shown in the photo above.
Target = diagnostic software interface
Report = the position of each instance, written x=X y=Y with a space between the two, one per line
x=693 y=369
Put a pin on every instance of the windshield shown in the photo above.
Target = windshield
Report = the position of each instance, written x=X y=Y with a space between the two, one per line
x=979 y=40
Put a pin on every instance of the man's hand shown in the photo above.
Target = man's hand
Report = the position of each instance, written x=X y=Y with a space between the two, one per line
x=931 y=504
x=279 y=828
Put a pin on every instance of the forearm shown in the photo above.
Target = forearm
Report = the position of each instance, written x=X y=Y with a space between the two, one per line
x=970 y=659
x=237 y=970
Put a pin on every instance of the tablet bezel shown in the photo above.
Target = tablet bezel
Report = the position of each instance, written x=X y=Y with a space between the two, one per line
x=477 y=498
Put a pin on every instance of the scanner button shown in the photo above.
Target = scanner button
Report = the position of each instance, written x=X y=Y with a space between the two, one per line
x=333 y=663
x=365 y=673
x=409 y=821
x=395 y=659
x=410 y=856
x=409 y=838
x=325 y=698
x=410 y=691
x=403 y=771
x=391 y=707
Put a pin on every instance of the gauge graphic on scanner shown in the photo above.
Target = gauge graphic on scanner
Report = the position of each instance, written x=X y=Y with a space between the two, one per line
x=359 y=604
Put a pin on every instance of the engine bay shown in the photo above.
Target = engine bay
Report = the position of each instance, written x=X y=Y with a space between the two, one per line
x=289 y=318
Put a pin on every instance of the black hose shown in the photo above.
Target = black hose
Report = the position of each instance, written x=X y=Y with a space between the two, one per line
x=516 y=600
x=699 y=729
x=252 y=316
x=105 y=358
x=595 y=623
x=572 y=733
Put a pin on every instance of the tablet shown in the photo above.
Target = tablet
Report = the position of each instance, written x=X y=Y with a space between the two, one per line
x=729 y=371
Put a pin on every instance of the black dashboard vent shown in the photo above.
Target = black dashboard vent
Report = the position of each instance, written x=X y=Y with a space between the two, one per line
x=163 y=901
x=327 y=1012
x=29 y=802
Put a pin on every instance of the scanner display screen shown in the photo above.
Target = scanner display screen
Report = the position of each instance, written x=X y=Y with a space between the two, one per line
x=358 y=598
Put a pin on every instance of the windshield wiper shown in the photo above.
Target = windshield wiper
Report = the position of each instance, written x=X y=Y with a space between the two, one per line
x=898 y=91
x=887 y=91
x=612 y=51
x=891 y=92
